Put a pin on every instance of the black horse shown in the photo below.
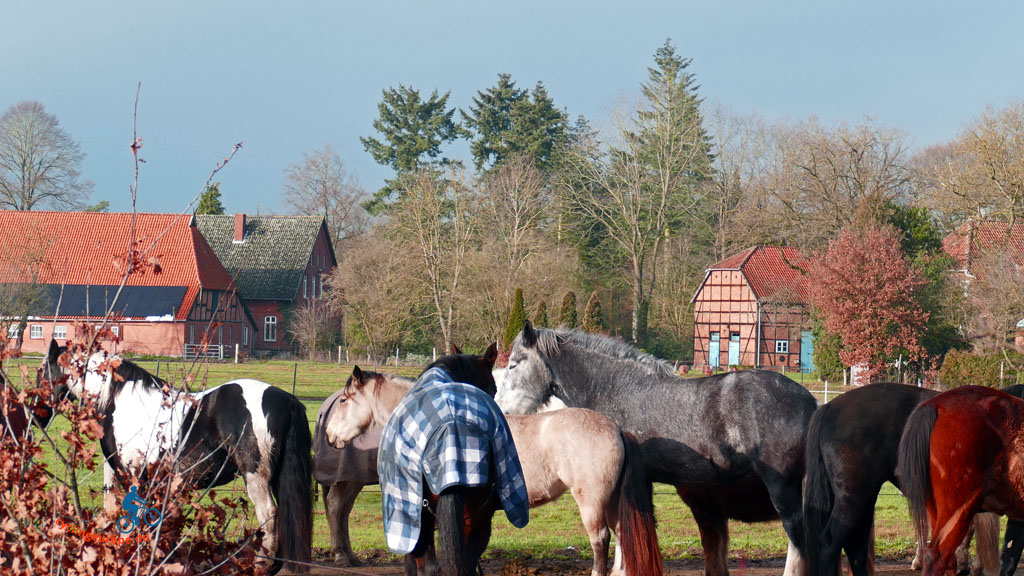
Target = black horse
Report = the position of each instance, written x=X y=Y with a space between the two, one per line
x=852 y=449
x=732 y=444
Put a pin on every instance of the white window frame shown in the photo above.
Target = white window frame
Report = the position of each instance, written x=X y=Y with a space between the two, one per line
x=35 y=331
x=191 y=333
x=304 y=278
x=782 y=346
x=270 y=328
x=12 y=330
x=60 y=332
x=245 y=335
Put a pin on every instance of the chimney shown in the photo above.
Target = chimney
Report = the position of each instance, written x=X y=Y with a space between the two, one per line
x=239 y=228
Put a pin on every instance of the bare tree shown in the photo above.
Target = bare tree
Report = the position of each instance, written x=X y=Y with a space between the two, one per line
x=512 y=205
x=320 y=184
x=996 y=299
x=374 y=291
x=980 y=174
x=315 y=327
x=435 y=220
x=39 y=162
x=817 y=180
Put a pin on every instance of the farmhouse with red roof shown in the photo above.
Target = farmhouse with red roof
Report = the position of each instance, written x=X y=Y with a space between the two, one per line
x=74 y=262
x=751 y=310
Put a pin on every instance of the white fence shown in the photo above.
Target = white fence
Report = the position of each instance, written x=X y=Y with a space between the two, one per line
x=208 y=351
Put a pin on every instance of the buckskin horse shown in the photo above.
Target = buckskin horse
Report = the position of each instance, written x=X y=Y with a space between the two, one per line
x=574 y=450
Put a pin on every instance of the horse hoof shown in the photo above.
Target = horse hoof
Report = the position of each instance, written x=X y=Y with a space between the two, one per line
x=275 y=567
x=915 y=565
x=342 y=560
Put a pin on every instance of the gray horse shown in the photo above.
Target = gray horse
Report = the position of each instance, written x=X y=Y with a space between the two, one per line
x=732 y=444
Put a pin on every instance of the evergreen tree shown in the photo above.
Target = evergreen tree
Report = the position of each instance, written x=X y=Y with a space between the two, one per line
x=412 y=132
x=593 y=319
x=505 y=120
x=567 y=316
x=209 y=202
x=540 y=317
x=516 y=318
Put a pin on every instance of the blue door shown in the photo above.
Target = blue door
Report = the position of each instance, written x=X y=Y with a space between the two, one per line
x=806 y=351
x=734 y=348
x=714 y=351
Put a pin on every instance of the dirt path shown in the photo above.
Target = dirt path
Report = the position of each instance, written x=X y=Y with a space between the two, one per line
x=380 y=564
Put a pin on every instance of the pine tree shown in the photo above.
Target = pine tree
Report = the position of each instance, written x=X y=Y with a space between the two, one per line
x=505 y=120
x=209 y=202
x=516 y=318
x=567 y=316
x=593 y=319
x=540 y=317
x=412 y=132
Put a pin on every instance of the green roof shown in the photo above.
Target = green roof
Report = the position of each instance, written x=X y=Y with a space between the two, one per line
x=270 y=263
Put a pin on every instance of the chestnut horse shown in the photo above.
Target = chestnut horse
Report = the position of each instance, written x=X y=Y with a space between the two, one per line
x=962 y=452
x=574 y=450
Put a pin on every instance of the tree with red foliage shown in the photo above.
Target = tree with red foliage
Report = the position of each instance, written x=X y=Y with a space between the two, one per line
x=866 y=289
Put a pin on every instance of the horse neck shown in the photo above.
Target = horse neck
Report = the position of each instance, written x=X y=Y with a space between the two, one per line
x=387 y=394
x=592 y=379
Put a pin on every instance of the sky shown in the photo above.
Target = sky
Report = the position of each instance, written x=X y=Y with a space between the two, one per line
x=285 y=78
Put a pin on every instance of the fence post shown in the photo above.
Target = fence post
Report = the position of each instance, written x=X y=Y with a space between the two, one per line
x=347 y=361
x=396 y=356
x=434 y=351
x=295 y=372
x=339 y=355
x=158 y=367
x=236 y=352
x=826 y=392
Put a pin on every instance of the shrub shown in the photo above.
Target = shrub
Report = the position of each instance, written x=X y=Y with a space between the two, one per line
x=962 y=368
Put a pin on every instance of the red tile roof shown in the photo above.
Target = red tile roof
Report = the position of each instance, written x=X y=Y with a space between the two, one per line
x=968 y=240
x=90 y=248
x=770 y=270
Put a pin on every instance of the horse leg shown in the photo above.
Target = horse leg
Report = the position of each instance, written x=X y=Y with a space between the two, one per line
x=266 y=513
x=963 y=553
x=594 y=521
x=1012 y=548
x=858 y=546
x=787 y=497
x=714 y=535
x=987 y=543
x=950 y=523
x=451 y=527
x=422 y=560
x=339 y=502
x=109 y=500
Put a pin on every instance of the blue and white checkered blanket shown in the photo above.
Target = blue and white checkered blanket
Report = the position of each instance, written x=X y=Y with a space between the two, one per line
x=446 y=433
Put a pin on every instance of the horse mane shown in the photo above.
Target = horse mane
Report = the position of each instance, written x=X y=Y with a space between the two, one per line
x=549 y=344
x=127 y=371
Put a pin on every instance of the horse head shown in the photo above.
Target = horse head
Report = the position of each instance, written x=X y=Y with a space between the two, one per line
x=51 y=372
x=352 y=412
x=528 y=382
x=470 y=368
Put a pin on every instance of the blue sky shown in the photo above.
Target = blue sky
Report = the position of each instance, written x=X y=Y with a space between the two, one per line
x=288 y=77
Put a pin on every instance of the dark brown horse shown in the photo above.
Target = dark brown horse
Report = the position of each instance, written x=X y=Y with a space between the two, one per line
x=852 y=448
x=962 y=452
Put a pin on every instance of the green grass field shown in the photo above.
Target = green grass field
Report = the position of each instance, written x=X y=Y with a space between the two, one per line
x=553 y=530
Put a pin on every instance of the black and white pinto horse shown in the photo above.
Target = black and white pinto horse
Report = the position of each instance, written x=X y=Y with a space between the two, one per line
x=732 y=444
x=242 y=428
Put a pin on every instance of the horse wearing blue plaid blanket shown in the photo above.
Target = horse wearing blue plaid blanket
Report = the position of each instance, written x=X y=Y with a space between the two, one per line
x=447 y=460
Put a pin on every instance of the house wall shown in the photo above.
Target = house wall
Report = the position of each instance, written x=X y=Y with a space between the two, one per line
x=260 y=310
x=138 y=337
x=726 y=305
x=320 y=264
x=220 y=316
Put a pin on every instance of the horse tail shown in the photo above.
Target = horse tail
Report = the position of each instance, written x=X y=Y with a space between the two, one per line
x=819 y=497
x=292 y=487
x=641 y=555
x=451 y=537
x=913 y=469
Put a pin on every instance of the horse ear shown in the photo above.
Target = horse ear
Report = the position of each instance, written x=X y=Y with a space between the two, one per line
x=357 y=375
x=455 y=349
x=491 y=354
x=529 y=335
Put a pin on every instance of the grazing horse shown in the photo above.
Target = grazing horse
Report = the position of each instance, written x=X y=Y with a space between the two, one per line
x=574 y=450
x=447 y=449
x=732 y=444
x=852 y=447
x=962 y=452
x=243 y=428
